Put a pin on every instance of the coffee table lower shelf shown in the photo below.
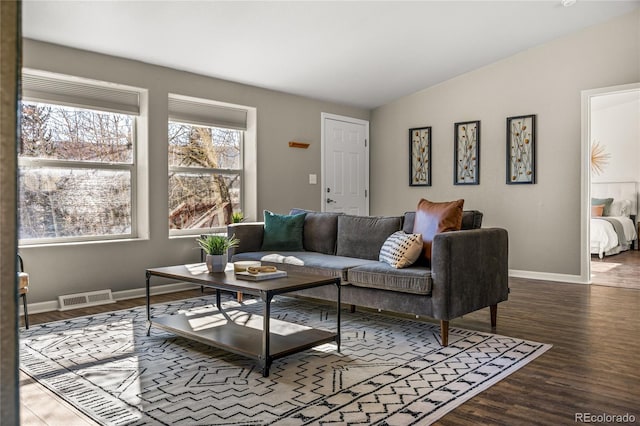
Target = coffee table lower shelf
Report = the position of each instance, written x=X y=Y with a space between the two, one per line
x=252 y=335
x=242 y=333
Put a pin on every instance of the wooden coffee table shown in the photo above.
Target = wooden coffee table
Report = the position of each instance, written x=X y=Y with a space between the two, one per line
x=253 y=336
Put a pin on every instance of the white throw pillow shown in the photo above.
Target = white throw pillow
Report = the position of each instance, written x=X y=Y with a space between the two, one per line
x=620 y=208
x=401 y=249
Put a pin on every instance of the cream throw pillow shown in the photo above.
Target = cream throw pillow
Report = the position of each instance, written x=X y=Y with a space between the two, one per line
x=620 y=208
x=401 y=249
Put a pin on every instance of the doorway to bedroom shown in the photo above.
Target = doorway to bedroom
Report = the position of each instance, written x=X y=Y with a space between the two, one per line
x=614 y=186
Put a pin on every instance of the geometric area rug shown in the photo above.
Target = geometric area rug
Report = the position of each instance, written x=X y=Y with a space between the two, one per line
x=391 y=371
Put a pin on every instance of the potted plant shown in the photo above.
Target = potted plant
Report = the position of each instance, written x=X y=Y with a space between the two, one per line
x=215 y=247
x=237 y=217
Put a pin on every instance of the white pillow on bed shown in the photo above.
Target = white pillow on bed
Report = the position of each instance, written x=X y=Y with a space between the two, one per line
x=620 y=208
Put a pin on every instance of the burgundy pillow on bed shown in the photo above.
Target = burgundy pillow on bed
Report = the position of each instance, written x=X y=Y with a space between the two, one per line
x=433 y=218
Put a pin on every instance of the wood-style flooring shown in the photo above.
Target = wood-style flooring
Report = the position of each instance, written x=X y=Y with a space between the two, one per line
x=620 y=270
x=593 y=367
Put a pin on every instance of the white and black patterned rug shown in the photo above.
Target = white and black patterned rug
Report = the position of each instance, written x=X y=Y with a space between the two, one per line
x=391 y=371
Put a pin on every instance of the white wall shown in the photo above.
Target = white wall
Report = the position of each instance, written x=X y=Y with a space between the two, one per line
x=615 y=124
x=543 y=220
x=282 y=171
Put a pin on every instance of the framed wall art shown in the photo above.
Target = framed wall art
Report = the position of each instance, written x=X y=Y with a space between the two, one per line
x=420 y=156
x=521 y=149
x=466 y=154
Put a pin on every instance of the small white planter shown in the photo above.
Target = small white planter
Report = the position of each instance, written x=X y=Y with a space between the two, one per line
x=216 y=262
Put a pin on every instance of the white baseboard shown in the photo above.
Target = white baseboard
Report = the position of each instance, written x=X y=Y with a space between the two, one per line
x=53 y=305
x=156 y=289
x=37 y=308
x=547 y=276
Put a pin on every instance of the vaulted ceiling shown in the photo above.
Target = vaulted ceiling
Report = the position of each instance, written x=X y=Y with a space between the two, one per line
x=362 y=53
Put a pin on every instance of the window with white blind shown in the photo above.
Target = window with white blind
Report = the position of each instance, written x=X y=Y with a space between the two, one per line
x=205 y=164
x=77 y=159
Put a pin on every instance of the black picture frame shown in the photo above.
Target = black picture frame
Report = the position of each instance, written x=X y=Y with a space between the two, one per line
x=466 y=153
x=521 y=150
x=420 y=156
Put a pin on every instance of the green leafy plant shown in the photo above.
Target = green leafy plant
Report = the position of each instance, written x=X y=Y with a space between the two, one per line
x=217 y=244
x=237 y=217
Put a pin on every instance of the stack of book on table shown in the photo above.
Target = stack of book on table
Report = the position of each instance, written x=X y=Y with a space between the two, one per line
x=259 y=273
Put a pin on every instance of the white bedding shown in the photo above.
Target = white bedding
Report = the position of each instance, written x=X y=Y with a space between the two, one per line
x=604 y=240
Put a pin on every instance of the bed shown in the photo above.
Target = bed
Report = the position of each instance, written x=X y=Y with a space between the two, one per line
x=614 y=208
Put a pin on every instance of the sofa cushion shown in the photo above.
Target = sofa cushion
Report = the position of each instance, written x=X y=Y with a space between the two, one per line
x=363 y=236
x=433 y=218
x=407 y=222
x=401 y=249
x=471 y=219
x=283 y=232
x=320 y=230
x=307 y=262
x=380 y=275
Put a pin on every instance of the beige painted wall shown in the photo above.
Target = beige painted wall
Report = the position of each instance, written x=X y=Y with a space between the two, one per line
x=282 y=171
x=543 y=220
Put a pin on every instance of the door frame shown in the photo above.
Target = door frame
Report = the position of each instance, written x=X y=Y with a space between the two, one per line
x=10 y=77
x=323 y=118
x=585 y=211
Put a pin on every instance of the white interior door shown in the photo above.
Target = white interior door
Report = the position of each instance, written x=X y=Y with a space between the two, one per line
x=345 y=155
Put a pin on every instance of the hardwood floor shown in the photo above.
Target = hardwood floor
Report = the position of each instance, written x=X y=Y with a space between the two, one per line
x=620 y=270
x=593 y=366
x=39 y=407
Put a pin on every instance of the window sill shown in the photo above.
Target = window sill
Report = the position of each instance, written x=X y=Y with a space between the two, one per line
x=79 y=243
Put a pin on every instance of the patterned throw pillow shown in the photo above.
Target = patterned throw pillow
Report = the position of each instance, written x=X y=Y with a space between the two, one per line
x=401 y=250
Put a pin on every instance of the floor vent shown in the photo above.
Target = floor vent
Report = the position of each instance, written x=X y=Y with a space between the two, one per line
x=82 y=300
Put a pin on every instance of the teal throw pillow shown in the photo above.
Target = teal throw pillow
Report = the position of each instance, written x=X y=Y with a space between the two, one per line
x=606 y=202
x=283 y=232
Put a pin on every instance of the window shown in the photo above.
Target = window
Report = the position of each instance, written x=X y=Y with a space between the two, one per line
x=205 y=165
x=76 y=161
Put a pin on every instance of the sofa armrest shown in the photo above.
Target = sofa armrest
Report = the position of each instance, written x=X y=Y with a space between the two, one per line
x=250 y=235
x=470 y=271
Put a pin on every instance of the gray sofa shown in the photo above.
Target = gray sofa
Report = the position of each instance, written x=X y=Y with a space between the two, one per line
x=468 y=271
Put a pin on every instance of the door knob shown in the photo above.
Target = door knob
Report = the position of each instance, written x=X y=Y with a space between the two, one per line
x=329 y=200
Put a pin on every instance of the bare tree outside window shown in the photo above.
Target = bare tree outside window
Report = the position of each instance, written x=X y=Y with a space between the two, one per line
x=65 y=133
x=205 y=168
x=75 y=172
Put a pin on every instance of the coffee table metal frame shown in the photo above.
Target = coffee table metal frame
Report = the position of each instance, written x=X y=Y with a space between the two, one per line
x=257 y=344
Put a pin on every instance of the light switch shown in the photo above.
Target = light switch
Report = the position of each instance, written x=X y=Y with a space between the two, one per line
x=313 y=179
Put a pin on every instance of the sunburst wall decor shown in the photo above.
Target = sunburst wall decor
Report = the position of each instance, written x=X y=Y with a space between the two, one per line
x=599 y=157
